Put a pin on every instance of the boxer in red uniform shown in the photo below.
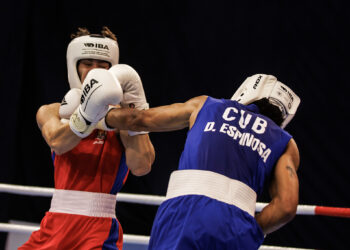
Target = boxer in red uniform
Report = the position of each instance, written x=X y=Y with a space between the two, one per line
x=91 y=161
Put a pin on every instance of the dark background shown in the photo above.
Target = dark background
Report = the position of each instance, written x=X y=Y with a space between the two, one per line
x=182 y=49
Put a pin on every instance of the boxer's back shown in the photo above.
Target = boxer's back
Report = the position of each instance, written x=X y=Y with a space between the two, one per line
x=234 y=140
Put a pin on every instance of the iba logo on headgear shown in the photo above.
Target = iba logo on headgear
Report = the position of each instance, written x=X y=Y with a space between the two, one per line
x=96 y=45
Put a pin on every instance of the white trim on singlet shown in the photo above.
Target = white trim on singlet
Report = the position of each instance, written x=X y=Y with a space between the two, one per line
x=83 y=203
x=212 y=185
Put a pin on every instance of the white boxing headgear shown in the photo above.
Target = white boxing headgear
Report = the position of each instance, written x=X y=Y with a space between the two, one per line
x=89 y=47
x=261 y=86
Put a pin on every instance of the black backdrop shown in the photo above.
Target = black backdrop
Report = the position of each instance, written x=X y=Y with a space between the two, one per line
x=183 y=49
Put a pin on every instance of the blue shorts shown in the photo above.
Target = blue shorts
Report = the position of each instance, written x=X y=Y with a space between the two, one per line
x=199 y=222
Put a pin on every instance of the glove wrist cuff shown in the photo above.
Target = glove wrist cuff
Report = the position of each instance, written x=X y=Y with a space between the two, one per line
x=79 y=125
x=102 y=124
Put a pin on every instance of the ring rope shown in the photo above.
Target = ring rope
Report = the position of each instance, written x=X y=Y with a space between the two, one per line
x=150 y=200
x=127 y=238
x=17 y=228
x=157 y=200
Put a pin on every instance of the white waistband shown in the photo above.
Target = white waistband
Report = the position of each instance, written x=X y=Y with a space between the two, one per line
x=83 y=203
x=212 y=185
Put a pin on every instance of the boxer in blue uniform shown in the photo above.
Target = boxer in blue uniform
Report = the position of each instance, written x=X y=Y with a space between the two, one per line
x=232 y=148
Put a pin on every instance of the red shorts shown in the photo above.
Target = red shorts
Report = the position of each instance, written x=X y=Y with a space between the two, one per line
x=70 y=231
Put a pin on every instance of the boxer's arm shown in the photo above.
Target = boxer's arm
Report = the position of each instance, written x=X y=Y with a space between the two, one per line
x=284 y=191
x=57 y=135
x=139 y=152
x=164 y=118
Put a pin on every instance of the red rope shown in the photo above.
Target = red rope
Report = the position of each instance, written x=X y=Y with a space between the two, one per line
x=333 y=211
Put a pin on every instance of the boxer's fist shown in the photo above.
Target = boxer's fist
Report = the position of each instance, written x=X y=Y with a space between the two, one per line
x=133 y=93
x=70 y=103
x=130 y=81
x=100 y=89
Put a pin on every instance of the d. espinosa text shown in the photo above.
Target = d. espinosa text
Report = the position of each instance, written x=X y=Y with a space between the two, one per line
x=245 y=139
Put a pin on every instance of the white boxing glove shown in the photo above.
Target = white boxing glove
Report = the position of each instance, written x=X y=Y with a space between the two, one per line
x=100 y=89
x=130 y=81
x=70 y=103
x=133 y=92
